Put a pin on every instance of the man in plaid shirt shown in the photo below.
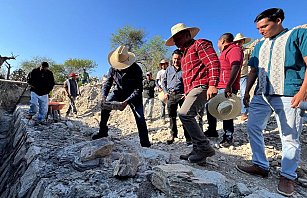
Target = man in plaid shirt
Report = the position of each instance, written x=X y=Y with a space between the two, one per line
x=200 y=73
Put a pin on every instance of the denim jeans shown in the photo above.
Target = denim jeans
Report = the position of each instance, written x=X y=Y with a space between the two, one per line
x=137 y=108
x=243 y=82
x=148 y=104
x=40 y=103
x=172 y=106
x=228 y=125
x=192 y=104
x=289 y=125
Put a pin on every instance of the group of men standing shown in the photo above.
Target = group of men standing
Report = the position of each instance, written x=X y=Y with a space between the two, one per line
x=197 y=74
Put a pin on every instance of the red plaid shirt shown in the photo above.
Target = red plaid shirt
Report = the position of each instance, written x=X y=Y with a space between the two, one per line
x=200 y=65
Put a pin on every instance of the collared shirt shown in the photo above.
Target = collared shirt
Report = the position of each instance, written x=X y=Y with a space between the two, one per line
x=231 y=55
x=200 y=65
x=279 y=62
x=128 y=82
x=172 y=81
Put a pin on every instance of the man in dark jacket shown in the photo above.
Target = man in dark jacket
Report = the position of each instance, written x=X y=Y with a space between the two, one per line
x=128 y=78
x=41 y=81
x=148 y=95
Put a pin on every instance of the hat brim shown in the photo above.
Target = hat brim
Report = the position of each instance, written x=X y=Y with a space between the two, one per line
x=214 y=102
x=113 y=61
x=247 y=40
x=161 y=97
x=193 y=30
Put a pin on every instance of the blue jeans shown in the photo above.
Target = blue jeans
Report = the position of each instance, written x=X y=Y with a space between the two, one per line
x=137 y=108
x=40 y=103
x=289 y=125
x=148 y=104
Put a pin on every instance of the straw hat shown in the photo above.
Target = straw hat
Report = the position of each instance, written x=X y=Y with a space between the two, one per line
x=163 y=61
x=161 y=97
x=224 y=108
x=121 y=58
x=240 y=36
x=178 y=28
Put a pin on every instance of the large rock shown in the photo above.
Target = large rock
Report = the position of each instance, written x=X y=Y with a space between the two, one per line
x=177 y=180
x=97 y=148
x=264 y=194
x=126 y=166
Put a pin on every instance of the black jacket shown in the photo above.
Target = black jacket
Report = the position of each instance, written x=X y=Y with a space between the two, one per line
x=41 y=82
x=149 y=88
x=128 y=82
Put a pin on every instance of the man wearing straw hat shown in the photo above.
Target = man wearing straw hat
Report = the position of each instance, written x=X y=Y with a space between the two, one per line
x=159 y=80
x=200 y=73
x=231 y=61
x=279 y=63
x=240 y=40
x=128 y=78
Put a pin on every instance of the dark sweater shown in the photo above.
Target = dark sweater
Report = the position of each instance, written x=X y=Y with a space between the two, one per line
x=149 y=88
x=41 y=82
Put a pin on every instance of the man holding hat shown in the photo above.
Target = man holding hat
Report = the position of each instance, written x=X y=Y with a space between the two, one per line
x=159 y=80
x=200 y=73
x=174 y=93
x=128 y=78
x=41 y=81
x=231 y=61
x=72 y=90
x=240 y=40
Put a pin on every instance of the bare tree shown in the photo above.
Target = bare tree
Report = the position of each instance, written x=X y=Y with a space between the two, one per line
x=4 y=59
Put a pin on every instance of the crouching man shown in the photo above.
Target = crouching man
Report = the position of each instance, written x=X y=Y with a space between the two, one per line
x=128 y=78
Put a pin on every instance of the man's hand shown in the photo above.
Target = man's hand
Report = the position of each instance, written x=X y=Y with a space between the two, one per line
x=212 y=91
x=123 y=105
x=298 y=98
x=228 y=91
x=246 y=100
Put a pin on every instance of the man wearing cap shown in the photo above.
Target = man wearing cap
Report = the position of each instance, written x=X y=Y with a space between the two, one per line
x=159 y=80
x=231 y=61
x=148 y=95
x=173 y=90
x=41 y=81
x=72 y=90
x=240 y=39
x=279 y=63
x=128 y=78
x=200 y=73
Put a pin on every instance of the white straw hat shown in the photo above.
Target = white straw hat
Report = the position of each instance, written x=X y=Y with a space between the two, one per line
x=121 y=58
x=178 y=28
x=224 y=108
x=161 y=97
x=240 y=36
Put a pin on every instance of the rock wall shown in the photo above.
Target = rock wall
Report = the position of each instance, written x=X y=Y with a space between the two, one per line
x=10 y=92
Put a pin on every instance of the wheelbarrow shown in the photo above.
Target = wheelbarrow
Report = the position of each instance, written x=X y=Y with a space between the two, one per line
x=54 y=110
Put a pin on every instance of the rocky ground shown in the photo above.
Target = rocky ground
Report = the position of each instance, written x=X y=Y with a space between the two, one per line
x=122 y=127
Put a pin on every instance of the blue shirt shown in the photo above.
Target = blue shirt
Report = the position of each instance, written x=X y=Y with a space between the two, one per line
x=279 y=62
x=172 y=81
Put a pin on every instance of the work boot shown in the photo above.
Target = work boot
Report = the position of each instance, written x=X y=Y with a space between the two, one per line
x=99 y=135
x=253 y=170
x=186 y=156
x=285 y=186
x=211 y=133
x=201 y=155
x=227 y=141
x=170 y=139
